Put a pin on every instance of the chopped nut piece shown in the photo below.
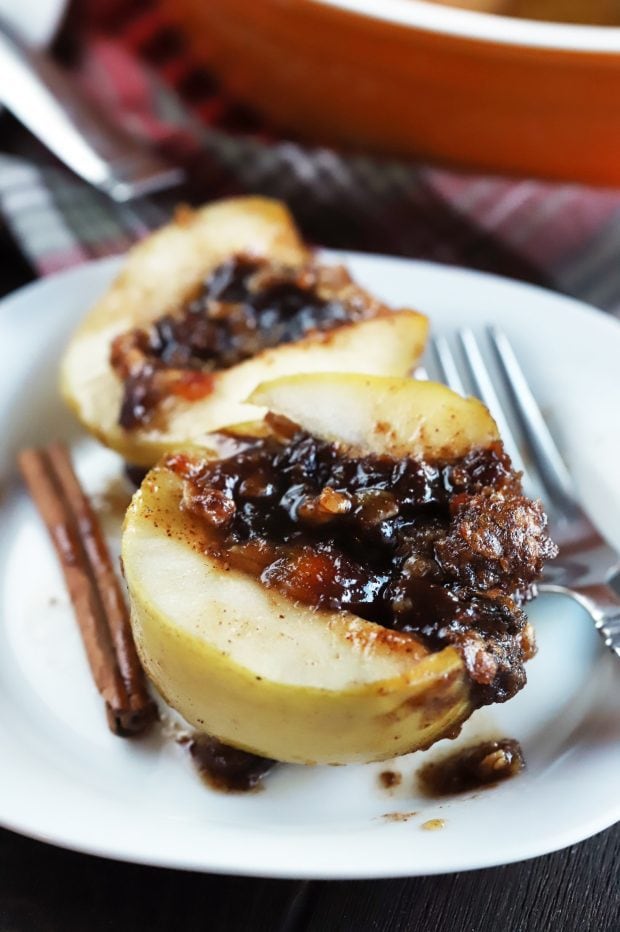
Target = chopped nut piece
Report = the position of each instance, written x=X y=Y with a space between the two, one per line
x=213 y=506
x=335 y=503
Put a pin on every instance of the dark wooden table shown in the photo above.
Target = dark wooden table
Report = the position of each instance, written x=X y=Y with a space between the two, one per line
x=46 y=889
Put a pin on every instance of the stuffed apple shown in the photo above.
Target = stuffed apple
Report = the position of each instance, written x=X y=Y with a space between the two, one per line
x=343 y=581
x=203 y=311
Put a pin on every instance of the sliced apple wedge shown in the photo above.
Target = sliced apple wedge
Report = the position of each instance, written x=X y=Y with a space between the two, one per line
x=381 y=415
x=259 y=664
x=160 y=276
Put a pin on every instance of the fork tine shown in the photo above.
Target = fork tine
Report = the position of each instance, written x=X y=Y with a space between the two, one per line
x=545 y=453
x=142 y=216
x=485 y=390
x=157 y=213
x=446 y=365
x=133 y=220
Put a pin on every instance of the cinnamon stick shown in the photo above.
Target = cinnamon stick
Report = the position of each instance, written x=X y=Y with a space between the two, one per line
x=93 y=587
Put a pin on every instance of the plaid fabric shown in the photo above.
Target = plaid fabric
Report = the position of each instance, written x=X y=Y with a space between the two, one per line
x=566 y=237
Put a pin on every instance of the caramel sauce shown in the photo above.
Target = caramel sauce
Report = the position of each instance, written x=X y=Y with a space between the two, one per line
x=390 y=779
x=226 y=768
x=471 y=768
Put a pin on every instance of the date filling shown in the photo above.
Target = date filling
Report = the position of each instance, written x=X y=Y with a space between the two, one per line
x=448 y=551
x=244 y=306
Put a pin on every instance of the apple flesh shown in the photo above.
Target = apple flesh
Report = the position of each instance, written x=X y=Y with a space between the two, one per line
x=158 y=275
x=280 y=679
x=375 y=414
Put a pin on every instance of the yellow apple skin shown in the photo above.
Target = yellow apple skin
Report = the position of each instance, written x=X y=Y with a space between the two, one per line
x=262 y=673
x=158 y=275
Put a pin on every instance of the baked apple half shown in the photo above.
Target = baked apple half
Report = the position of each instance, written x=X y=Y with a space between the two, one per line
x=203 y=311
x=341 y=582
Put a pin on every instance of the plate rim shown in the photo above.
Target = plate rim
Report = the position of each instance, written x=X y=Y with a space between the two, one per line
x=279 y=869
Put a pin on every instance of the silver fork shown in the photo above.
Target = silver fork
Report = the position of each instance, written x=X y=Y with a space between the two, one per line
x=586 y=562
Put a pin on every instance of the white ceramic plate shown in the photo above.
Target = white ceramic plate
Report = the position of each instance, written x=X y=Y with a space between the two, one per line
x=64 y=778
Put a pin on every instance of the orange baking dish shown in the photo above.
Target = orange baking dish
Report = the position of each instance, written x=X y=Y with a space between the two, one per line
x=411 y=78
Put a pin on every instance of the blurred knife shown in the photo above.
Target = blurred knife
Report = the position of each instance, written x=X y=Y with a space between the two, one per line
x=44 y=97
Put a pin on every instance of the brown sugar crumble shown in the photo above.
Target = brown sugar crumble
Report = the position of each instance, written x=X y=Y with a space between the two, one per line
x=385 y=539
x=244 y=306
x=390 y=779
